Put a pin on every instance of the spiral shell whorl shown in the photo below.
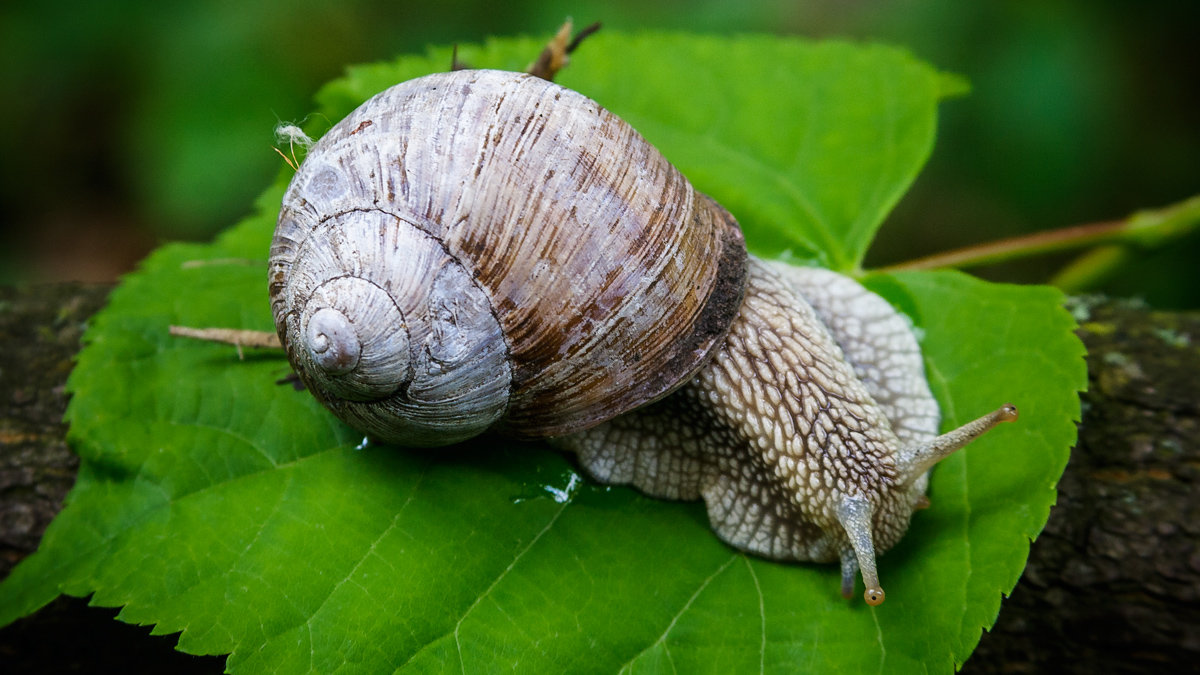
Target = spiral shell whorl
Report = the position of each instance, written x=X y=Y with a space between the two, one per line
x=356 y=339
x=332 y=344
x=389 y=330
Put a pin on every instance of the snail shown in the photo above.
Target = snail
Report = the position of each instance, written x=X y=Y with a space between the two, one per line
x=484 y=250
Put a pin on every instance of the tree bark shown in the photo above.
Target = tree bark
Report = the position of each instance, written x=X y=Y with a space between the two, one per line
x=1112 y=584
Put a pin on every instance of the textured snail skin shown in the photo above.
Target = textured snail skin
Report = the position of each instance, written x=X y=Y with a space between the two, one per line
x=809 y=435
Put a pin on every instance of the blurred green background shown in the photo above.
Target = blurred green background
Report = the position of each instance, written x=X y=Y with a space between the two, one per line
x=130 y=122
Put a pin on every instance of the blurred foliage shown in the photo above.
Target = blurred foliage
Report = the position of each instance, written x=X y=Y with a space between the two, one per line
x=129 y=122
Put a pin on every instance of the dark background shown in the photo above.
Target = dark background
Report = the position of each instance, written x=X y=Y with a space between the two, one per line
x=126 y=123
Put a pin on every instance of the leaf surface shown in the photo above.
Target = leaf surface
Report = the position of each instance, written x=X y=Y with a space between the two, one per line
x=214 y=502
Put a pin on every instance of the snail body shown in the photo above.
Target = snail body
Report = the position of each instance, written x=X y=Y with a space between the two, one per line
x=487 y=250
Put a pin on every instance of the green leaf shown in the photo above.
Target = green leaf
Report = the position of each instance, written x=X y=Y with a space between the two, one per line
x=214 y=502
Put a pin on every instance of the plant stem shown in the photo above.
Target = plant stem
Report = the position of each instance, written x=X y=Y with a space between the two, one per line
x=231 y=336
x=1150 y=228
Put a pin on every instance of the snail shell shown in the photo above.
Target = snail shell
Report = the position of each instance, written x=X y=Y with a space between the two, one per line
x=482 y=248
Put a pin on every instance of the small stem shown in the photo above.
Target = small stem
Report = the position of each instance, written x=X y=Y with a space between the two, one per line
x=1017 y=247
x=554 y=57
x=238 y=338
x=205 y=262
x=1090 y=269
x=1148 y=228
x=455 y=63
x=582 y=35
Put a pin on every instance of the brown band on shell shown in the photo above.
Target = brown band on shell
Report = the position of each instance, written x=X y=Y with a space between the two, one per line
x=716 y=317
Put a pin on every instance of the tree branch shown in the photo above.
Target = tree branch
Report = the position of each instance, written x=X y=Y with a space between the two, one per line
x=1149 y=229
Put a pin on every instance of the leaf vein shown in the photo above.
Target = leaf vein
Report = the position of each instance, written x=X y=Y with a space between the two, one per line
x=349 y=576
x=516 y=559
x=485 y=593
x=682 y=610
x=762 y=616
